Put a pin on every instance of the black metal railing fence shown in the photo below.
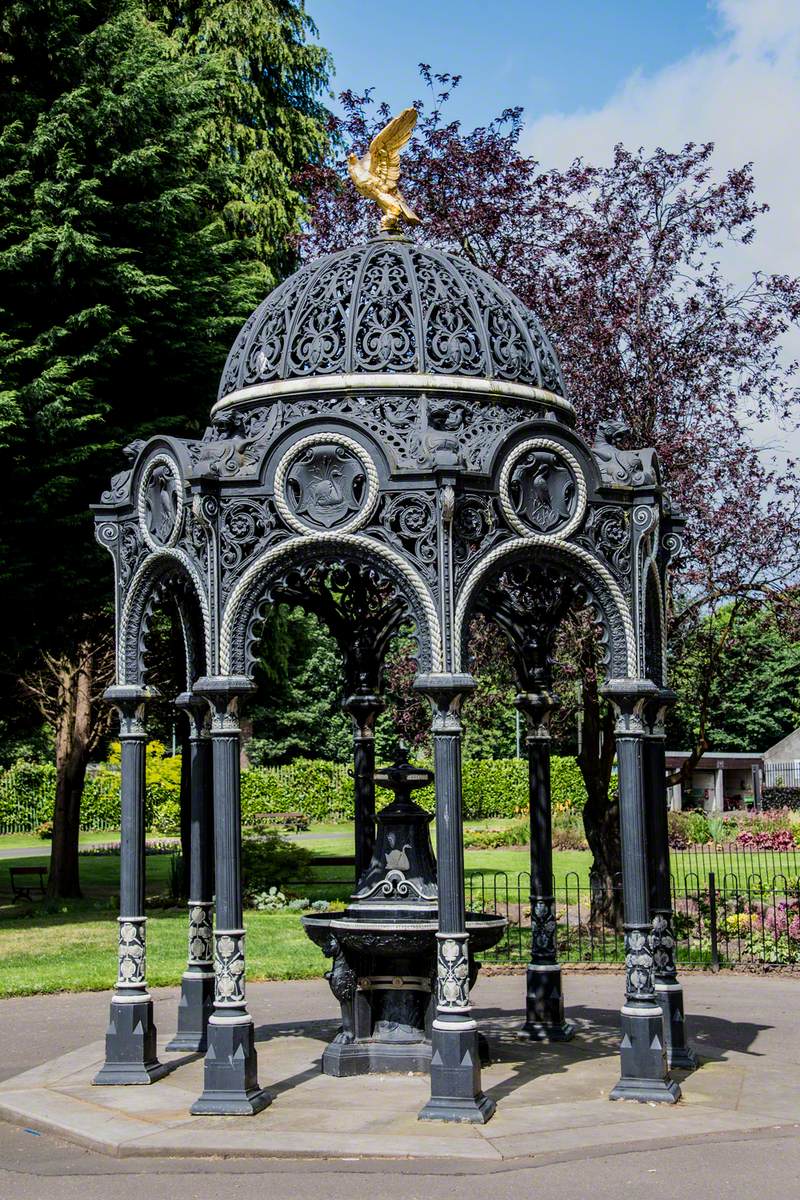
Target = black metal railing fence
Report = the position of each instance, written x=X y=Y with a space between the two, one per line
x=729 y=908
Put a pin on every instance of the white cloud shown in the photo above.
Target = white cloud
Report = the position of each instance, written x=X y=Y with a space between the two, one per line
x=743 y=94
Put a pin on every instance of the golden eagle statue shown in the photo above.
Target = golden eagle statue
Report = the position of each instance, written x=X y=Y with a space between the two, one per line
x=376 y=174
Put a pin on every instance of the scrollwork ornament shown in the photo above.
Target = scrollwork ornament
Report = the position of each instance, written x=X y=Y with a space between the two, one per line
x=107 y=533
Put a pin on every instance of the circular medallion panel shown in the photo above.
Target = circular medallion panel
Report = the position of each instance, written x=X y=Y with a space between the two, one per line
x=161 y=502
x=542 y=489
x=326 y=481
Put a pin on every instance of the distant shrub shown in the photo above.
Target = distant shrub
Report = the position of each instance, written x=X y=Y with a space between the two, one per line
x=270 y=861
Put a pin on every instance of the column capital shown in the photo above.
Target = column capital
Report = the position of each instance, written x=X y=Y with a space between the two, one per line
x=222 y=693
x=655 y=711
x=130 y=700
x=629 y=698
x=538 y=707
x=196 y=709
x=445 y=692
x=443 y=689
x=363 y=708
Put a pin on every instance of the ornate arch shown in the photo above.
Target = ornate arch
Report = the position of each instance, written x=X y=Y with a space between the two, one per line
x=237 y=633
x=165 y=573
x=600 y=589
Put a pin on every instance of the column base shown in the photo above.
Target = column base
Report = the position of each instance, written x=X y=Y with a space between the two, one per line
x=544 y=1006
x=131 y=1056
x=456 y=1093
x=646 y=1091
x=473 y=1112
x=230 y=1084
x=644 y=1075
x=679 y=1054
x=195 y=1007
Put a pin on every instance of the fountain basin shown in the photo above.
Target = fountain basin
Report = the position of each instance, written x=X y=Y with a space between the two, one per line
x=384 y=937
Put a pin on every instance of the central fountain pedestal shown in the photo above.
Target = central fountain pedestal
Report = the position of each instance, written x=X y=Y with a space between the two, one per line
x=383 y=945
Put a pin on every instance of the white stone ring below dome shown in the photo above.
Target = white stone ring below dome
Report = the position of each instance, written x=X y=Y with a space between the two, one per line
x=497 y=389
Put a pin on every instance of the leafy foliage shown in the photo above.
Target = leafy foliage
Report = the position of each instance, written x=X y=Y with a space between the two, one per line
x=270 y=861
x=297 y=711
x=753 y=691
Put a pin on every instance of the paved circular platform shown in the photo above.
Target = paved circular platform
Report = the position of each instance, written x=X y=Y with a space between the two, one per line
x=551 y=1099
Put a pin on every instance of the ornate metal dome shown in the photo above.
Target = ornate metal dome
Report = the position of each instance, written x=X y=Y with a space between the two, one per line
x=391 y=306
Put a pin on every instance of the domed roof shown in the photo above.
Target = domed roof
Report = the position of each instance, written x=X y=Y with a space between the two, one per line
x=391 y=306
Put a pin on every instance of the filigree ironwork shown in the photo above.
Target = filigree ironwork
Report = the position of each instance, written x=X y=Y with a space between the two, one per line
x=607 y=533
x=528 y=603
x=392 y=305
x=407 y=521
x=247 y=525
x=359 y=606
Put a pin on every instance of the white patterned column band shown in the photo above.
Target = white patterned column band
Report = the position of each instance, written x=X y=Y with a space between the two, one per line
x=229 y=968
x=639 y=964
x=132 y=963
x=201 y=930
x=452 y=972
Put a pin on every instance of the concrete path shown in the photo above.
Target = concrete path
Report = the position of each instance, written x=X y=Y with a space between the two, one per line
x=40 y=851
x=734 y=1135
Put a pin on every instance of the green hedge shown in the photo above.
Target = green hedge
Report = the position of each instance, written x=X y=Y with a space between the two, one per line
x=322 y=790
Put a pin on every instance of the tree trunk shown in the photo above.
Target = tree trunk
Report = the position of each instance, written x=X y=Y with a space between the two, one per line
x=600 y=815
x=74 y=736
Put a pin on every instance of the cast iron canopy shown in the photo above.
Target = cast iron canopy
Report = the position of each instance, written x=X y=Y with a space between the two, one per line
x=391 y=306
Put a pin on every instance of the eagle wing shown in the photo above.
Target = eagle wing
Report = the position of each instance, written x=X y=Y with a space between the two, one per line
x=385 y=147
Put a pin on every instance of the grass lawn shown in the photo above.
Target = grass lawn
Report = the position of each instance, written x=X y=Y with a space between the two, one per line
x=20 y=841
x=46 y=946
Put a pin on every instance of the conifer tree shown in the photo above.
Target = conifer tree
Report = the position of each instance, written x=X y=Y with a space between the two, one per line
x=123 y=279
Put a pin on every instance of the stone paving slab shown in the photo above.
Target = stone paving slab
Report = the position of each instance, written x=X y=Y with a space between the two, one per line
x=551 y=1099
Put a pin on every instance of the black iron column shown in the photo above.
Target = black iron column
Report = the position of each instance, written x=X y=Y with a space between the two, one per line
x=544 y=1007
x=644 y=1071
x=363 y=710
x=669 y=990
x=131 y=1036
x=231 y=1077
x=197 y=982
x=456 y=1093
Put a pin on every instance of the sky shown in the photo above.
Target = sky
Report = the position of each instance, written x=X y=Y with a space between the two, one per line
x=590 y=73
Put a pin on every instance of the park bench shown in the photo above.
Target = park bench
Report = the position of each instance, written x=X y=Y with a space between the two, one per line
x=23 y=891
x=333 y=860
x=295 y=821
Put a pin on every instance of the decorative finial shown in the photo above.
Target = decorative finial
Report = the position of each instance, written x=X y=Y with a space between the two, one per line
x=376 y=174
